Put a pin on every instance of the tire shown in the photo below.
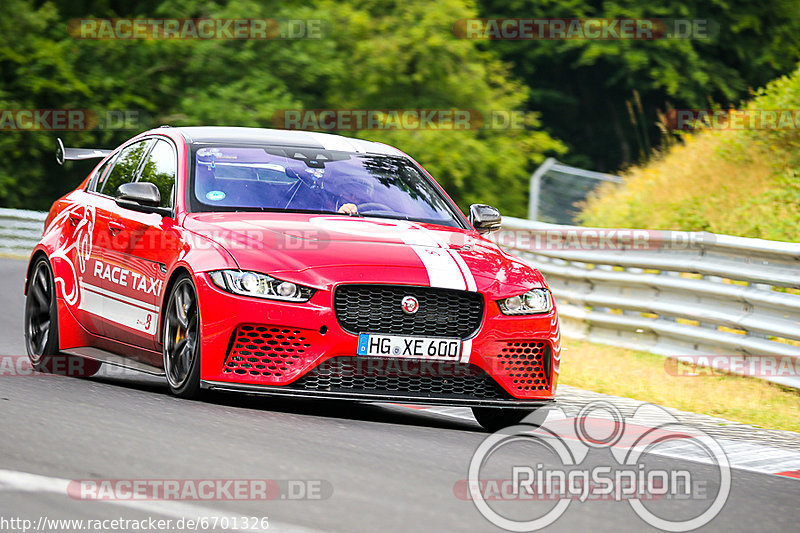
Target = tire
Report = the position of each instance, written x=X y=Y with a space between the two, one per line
x=181 y=336
x=41 y=328
x=496 y=418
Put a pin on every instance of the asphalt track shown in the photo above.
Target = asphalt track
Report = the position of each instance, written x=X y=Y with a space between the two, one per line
x=381 y=468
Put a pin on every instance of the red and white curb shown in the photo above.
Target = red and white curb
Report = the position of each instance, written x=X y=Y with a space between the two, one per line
x=752 y=456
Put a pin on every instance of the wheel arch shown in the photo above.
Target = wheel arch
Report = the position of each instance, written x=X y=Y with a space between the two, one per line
x=176 y=273
x=35 y=256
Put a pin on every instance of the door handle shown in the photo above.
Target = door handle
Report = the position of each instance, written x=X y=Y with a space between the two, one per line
x=115 y=227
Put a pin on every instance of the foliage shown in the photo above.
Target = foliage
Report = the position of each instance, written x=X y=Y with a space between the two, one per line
x=741 y=182
x=599 y=97
x=603 y=96
x=375 y=55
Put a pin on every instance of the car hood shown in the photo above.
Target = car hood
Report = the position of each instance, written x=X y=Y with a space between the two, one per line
x=323 y=250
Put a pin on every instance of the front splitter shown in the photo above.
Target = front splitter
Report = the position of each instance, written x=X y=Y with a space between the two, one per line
x=379 y=397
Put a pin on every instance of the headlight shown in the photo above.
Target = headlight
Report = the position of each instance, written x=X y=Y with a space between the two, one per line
x=260 y=285
x=532 y=302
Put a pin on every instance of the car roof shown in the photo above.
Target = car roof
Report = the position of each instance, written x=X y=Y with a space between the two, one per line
x=309 y=139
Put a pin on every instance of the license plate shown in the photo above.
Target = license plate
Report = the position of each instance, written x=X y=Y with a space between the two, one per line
x=411 y=347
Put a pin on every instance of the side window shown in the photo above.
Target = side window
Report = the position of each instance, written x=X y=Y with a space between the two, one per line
x=125 y=167
x=161 y=168
x=102 y=174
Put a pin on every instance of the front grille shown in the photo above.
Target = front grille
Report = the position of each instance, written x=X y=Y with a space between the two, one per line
x=264 y=350
x=387 y=377
x=377 y=309
x=527 y=363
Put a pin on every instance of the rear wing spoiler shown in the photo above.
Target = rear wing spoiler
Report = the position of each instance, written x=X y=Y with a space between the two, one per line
x=77 y=154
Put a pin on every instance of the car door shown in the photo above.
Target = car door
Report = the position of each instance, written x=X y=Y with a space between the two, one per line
x=103 y=286
x=142 y=247
x=82 y=224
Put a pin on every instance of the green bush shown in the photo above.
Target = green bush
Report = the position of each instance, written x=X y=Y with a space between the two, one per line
x=739 y=182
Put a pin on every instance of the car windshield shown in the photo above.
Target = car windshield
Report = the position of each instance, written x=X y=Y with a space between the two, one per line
x=230 y=178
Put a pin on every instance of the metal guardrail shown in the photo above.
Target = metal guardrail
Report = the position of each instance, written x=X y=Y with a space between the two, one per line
x=556 y=188
x=20 y=230
x=671 y=293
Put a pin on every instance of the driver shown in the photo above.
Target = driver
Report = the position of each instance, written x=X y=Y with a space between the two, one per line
x=354 y=192
x=348 y=209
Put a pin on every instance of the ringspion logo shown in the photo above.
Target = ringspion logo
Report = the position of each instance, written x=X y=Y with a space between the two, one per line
x=504 y=468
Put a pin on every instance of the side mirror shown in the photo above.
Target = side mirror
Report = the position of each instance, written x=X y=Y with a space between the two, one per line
x=484 y=218
x=140 y=196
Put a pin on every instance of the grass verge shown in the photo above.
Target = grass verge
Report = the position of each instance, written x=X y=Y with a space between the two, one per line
x=644 y=376
x=739 y=181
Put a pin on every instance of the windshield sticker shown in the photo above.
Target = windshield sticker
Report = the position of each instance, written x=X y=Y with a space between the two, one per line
x=316 y=172
x=207 y=152
x=215 y=196
x=215 y=153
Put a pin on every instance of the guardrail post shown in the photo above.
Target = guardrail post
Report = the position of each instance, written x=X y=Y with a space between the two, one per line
x=535 y=187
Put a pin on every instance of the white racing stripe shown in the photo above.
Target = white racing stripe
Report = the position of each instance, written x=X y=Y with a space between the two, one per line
x=470 y=279
x=129 y=312
x=449 y=261
x=133 y=301
x=466 y=350
x=446 y=268
x=443 y=271
x=13 y=481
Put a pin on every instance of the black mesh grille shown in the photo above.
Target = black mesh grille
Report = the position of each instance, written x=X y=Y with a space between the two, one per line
x=377 y=309
x=385 y=377
x=528 y=363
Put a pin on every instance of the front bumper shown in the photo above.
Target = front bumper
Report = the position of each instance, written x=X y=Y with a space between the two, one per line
x=289 y=391
x=519 y=355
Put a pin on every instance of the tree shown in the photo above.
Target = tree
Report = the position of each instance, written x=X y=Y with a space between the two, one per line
x=603 y=96
x=375 y=55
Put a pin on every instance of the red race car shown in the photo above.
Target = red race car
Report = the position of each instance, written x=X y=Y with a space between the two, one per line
x=287 y=263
